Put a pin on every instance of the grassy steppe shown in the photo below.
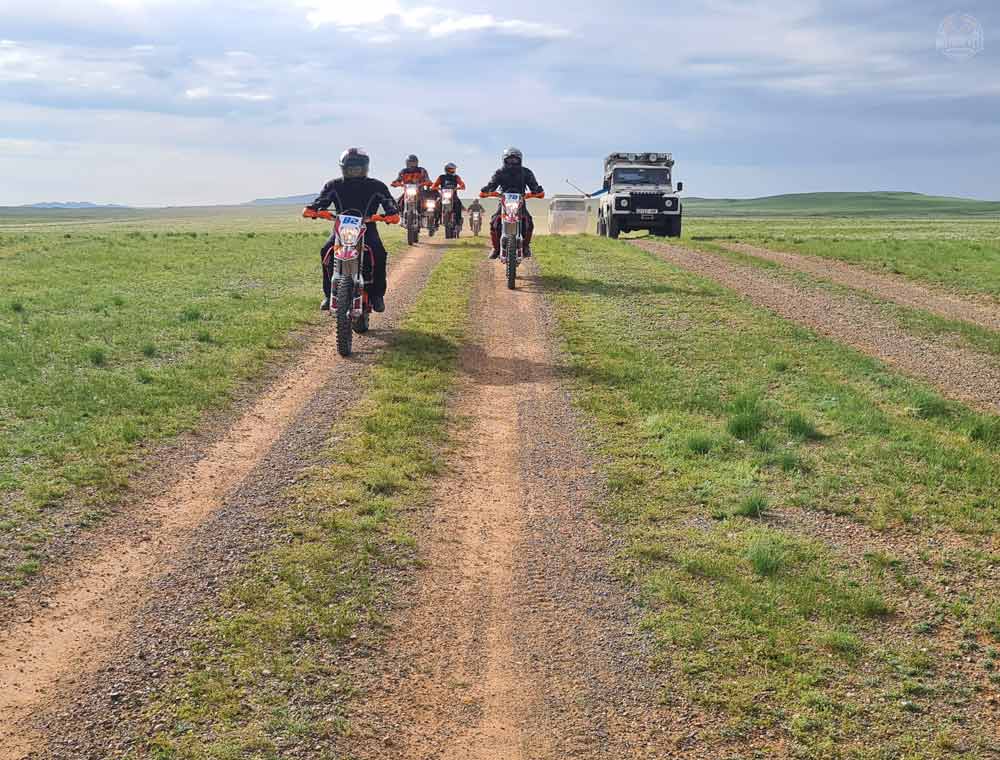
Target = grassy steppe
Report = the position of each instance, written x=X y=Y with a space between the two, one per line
x=113 y=338
x=811 y=531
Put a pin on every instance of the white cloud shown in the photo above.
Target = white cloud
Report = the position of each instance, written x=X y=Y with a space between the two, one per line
x=435 y=21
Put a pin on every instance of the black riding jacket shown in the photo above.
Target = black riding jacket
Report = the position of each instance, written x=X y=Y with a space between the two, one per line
x=513 y=179
x=359 y=194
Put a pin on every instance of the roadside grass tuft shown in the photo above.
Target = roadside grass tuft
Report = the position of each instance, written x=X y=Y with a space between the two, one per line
x=97 y=356
x=766 y=555
x=701 y=443
x=927 y=405
x=800 y=427
x=747 y=417
x=191 y=314
x=755 y=505
x=986 y=431
x=267 y=677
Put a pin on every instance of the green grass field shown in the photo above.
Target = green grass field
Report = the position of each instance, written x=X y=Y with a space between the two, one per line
x=115 y=336
x=715 y=420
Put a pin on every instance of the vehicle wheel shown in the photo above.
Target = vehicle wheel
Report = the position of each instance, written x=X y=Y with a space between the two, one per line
x=511 y=265
x=412 y=236
x=345 y=301
x=675 y=227
x=613 y=228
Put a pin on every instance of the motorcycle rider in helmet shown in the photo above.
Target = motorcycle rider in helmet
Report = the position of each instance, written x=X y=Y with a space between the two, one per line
x=513 y=177
x=450 y=180
x=412 y=174
x=356 y=192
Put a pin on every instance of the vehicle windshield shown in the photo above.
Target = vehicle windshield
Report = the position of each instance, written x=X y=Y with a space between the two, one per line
x=637 y=176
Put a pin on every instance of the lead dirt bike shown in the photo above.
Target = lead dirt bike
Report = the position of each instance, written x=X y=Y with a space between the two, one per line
x=411 y=213
x=349 y=294
x=476 y=222
x=452 y=229
x=511 y=230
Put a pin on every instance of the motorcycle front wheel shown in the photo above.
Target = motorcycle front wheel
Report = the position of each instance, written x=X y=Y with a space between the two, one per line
x=345 y=302
x=511 y=264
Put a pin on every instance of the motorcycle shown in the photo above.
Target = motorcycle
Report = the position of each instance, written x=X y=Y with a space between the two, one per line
x=411 y=213
x=349 y=298
x=451 y=226
x=431 y=216
x=511 y=230
x=476 y=222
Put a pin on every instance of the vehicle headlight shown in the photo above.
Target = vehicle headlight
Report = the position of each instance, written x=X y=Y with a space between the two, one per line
x=668 y=203
x=349 y=236
x=430 y=205
x=623 y=202
x=411 y=192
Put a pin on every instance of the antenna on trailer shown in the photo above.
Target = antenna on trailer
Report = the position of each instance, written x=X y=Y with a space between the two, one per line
x=582 y=192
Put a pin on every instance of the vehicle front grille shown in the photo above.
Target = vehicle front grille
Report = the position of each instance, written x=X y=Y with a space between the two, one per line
x=647 y=200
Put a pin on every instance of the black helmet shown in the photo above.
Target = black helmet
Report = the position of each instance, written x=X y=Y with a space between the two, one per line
x=512 y=157
x=450 y=168
x=354 y=163
x=412 y=162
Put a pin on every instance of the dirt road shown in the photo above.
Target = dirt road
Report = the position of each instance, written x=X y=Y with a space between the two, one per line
x=70 y=626
x=956 y=371
x=518 y=643
x=888 y=287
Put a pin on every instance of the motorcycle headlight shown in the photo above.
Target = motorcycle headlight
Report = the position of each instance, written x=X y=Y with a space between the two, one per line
x=430 y=205
x=349 y=236
x=411 y=192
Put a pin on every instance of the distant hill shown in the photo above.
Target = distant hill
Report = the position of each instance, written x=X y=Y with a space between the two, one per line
x=798 y=204
x=842 y=204
x=290 y=200
x=72 y=205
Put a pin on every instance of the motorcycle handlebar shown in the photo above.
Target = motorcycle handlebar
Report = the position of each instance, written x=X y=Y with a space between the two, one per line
x=497 y=195
x=309 y=213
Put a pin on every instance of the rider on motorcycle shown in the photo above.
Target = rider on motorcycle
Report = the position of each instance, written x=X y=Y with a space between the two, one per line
x=513 y=177
x=451 y=181
x=412 y=174
x=356 y=191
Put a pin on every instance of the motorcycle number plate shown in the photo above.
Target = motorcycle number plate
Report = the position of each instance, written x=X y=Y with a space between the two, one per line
x=350 y=221
x=512 y=198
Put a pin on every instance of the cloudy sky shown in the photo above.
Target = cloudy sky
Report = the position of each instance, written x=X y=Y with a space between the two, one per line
x=156 y=102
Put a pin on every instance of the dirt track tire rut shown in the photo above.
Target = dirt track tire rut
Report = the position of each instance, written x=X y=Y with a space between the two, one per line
x=518 y=643
x=85 y=648
x=956 y=371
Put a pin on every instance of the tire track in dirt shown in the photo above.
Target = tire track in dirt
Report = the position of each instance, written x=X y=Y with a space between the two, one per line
x=960 y=373
x=887 y=287
x=517 y=642
x=93 y=599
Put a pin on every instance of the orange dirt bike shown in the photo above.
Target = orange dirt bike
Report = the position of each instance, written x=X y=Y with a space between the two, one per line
x=411 y=213
x=452 y=228
x=511 y=230
x=349 y=301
